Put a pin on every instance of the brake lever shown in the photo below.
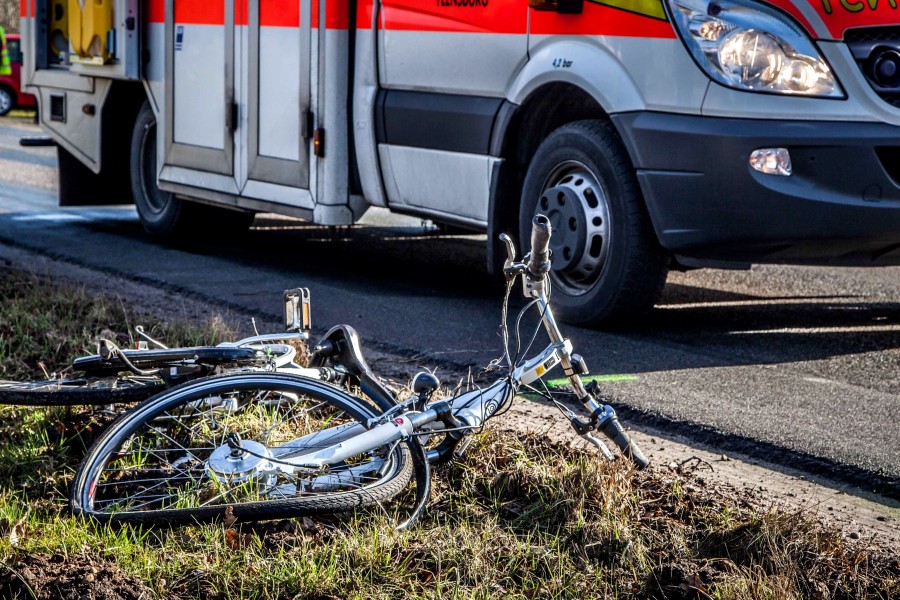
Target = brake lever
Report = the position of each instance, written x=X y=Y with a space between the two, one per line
x=603 y=448
x=511 y=268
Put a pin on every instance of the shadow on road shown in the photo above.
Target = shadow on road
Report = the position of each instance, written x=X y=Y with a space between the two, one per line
x=715 y=327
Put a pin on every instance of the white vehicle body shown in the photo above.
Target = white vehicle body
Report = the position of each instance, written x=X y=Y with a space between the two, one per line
x=457 y=109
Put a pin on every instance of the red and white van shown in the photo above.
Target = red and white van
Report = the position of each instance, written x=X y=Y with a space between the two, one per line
x=656 y=134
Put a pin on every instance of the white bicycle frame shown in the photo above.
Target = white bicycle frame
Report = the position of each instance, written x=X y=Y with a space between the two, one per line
x=472 y=408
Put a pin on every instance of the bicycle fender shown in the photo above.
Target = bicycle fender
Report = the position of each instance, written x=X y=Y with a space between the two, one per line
x=423 y=482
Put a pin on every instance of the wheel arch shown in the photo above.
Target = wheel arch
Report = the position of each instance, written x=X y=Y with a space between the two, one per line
x=119 y=113
x=536 y=108
x=80 y=185
x=589 y=67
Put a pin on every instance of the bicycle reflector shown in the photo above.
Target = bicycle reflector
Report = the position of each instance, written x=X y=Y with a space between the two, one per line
x=296 y=310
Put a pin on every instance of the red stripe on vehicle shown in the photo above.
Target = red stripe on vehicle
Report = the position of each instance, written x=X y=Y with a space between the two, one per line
x=841 y=15
x=199 y=12
x=471 y=16
x=240 y=12
x=156 y=11
x=600 y=20
x=273 y=13
x=364 y=14
x=337 y=15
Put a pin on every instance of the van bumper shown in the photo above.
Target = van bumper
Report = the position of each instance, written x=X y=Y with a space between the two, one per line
x=841 y=204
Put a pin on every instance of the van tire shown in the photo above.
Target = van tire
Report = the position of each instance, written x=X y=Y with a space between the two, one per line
x=161 y=213
x=608 y=268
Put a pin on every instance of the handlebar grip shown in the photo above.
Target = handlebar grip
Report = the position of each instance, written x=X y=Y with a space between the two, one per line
x=613 y=430
x=539 y=261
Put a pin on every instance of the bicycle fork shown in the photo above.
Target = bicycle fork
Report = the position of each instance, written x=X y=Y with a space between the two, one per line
x=602 y=416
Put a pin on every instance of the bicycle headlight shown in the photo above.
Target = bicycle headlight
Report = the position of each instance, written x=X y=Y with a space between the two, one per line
x=748 y=46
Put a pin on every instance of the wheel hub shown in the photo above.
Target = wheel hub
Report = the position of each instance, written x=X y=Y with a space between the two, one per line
x=576 y=205
x=239 y=465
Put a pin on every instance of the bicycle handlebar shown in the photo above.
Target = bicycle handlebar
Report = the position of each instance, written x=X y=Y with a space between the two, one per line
x=539 y=259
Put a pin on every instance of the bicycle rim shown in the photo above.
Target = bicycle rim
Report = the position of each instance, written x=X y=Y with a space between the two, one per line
x=169 y=459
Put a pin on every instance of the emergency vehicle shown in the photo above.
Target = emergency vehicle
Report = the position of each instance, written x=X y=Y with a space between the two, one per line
x=11 y=95
x=656 y=134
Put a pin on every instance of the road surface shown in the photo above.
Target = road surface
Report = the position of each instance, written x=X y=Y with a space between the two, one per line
x=790 y=364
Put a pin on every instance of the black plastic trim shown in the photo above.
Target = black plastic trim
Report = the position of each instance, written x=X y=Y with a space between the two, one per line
x=839 y=205
x=504 y=118
x=354 y=181
x=451 y=122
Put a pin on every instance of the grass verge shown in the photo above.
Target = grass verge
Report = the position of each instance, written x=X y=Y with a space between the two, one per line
x=517 y=518
x=44 y=326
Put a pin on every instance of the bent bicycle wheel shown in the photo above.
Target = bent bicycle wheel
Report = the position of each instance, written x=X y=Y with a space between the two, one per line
x=223 y=446
x=79 y=391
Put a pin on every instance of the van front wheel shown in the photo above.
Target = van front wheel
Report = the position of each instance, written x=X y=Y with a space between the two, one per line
x=607 y=267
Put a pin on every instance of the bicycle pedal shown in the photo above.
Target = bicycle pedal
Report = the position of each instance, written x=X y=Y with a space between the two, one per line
x=461 y=447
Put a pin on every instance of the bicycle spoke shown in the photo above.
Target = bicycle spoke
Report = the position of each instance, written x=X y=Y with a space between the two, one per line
x=191 y=429
x=184 y=457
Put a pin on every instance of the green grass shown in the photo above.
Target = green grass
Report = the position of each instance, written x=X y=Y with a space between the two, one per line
x=516 y=518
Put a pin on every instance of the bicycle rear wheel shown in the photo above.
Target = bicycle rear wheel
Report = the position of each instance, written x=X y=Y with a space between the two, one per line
x=154 y=359
x=79 y=391
x=219 y=444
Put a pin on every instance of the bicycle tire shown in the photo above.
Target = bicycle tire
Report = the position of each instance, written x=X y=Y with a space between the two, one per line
x=147 y=467
x=74 y=391
x=151 y=359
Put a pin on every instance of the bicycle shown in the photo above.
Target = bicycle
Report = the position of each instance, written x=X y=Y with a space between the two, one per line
x=270 y=445
x=115 y=375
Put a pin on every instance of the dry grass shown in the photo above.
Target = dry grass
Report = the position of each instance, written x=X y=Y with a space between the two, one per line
x=44 y=326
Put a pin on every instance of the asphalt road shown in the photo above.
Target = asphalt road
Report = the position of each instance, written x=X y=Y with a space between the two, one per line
x=789 y=364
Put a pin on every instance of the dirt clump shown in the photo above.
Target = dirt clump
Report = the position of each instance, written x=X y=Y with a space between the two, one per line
x=76 y=577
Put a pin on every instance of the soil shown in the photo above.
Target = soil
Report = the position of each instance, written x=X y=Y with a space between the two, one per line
x=859 y=514
x=76 y=577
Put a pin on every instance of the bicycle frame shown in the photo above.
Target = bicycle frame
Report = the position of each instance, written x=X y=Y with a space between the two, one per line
x=466 y=412
x=360 y=454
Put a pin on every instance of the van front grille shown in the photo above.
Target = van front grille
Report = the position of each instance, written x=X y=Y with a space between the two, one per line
x=876 y=51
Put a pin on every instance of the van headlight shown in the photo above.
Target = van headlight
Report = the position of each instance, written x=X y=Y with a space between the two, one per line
x=752 y=47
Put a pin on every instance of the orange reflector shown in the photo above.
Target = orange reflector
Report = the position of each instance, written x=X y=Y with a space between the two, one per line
x=319 y=143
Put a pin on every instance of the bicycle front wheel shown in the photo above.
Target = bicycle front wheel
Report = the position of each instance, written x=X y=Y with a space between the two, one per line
x=79 y=391
x=222 y=445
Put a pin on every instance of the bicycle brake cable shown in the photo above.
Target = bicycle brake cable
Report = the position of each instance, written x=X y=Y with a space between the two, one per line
x=504 y=324
x=117 y=352
x=565 y=410
x=542 y=311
